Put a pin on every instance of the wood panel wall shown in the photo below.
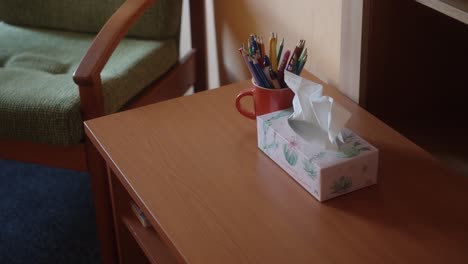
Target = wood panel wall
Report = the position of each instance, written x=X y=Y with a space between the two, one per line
x=414 y=63
x=414 y=75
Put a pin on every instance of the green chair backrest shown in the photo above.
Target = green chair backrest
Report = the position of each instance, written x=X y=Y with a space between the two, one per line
x=161 y=21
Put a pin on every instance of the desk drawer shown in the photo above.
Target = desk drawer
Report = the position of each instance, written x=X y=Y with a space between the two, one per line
x=136 y=243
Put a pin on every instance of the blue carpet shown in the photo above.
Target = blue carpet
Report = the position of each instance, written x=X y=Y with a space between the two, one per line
x=46 y=215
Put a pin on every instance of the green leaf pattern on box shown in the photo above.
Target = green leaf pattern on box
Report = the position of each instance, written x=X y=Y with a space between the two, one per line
x=342 y=185
x=272 y=145
x=266 y=126
x=309 y=166
x=290 y=154
x=352 y=147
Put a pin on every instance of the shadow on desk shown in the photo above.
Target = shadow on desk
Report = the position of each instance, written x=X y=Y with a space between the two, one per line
x=444 y=141
x=413 y=198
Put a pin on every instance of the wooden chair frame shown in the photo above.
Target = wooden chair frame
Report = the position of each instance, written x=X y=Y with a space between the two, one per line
x=83 y=156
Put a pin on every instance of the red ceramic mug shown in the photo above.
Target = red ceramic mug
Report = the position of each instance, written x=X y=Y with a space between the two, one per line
x=265 y=100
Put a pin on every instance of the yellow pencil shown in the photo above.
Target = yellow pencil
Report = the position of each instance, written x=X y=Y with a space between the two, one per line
x=274 y=63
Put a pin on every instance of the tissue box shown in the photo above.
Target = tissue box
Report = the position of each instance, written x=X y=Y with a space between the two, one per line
x=323 y=173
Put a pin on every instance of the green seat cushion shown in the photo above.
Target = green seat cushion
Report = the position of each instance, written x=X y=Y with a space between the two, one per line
x=38 y=99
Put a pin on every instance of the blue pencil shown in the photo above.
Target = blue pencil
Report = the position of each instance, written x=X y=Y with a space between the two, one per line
x=261 y=74
x=250 y=66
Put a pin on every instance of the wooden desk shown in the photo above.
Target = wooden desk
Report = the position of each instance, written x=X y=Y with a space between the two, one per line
x=193 y=166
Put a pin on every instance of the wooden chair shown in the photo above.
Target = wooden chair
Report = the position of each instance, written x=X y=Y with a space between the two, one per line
x=83 y=156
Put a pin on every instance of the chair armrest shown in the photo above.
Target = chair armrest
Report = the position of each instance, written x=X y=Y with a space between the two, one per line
x=90 y=67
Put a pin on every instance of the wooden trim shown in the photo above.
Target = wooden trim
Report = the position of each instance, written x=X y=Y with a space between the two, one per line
x=101 y=197
x=198 y=29
x=62 y=156
x=350 y=54
x=114 y=208
x=174 y=83
x=91 y=100
x=107 y=40
x=366 y=29
x=87 y=75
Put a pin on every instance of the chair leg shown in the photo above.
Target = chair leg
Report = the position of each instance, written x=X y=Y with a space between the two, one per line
x=102 y=204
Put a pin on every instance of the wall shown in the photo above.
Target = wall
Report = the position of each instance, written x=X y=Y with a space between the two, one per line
x=316 y=21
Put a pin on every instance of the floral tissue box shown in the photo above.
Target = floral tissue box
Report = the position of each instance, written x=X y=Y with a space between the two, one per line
x=323 y=173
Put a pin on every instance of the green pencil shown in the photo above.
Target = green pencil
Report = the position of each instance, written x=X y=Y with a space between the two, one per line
x=278 y=58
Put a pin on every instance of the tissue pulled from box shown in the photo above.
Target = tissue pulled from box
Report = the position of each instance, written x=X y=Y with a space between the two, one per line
x=318 y=119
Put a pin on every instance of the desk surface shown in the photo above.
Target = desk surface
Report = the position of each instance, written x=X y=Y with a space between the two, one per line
x=215 y=198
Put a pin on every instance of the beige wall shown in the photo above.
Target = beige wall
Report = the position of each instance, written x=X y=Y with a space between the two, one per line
x=316 y=21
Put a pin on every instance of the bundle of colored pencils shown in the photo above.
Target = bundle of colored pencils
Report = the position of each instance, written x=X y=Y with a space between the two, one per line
x=268 y=70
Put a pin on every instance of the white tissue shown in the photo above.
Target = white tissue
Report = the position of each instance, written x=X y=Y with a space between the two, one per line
x=318 y=119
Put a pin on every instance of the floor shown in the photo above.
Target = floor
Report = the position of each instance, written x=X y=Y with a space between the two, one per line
x=46 y=215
